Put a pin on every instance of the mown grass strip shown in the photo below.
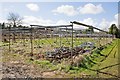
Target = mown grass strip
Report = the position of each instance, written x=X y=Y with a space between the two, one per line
x=109 y=66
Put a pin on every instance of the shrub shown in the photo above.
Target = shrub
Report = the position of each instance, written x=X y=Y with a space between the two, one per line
x=97 y=51
x=43 y=62
x=101 y=48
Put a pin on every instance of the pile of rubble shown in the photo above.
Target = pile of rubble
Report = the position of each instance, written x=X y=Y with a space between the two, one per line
x=66 y=52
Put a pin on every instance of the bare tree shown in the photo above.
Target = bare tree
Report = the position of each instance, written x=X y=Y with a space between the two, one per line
x=14 y=19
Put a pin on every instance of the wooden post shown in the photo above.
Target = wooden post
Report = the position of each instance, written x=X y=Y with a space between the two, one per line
x=60 y=38
x=24 y=37
x=72 y=40
x=31 y=37
x=9 y=37
x=99 y=39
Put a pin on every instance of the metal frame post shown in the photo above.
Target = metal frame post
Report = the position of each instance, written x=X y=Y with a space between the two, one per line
x=60 y=38
x=31 y=41
x=72 y=40
x=9 y=37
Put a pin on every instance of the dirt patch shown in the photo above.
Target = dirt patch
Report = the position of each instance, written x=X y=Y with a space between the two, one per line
x=48 y=74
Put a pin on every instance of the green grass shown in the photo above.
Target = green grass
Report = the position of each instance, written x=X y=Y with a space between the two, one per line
x=107 y=62
x=92 y=61
x=3 y=43
x=66 y=42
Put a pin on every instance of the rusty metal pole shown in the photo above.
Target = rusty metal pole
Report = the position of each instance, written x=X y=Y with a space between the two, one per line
x=31 y=37
x=106 y=38
x=9 y=37
x=99 y=39
x=72 y=40
x=60 y=39
x=24 y=36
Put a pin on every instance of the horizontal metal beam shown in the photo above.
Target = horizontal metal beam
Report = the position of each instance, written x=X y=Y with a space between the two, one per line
x=52 y=26
x=78 y=23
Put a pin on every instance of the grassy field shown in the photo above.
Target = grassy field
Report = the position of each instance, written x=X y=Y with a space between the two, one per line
x=48 y=44
x=110 y=59
x=96 y=61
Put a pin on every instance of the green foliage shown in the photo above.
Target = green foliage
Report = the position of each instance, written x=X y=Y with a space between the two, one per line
x=87 y=63
x=43 y=62
x=114 y=30
x=91 y=29
x=3 y=25
x=106 y=62
x=97 y=51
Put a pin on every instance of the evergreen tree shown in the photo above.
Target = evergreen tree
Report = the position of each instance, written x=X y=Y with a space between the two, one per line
x=114 y=30
x=3 y=25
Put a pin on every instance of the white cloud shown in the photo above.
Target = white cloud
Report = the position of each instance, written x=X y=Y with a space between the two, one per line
x=104 y=24
x=88 y=21
x=2 y=20
x=28 y=20
x=86 y=9
x=32 y=7
x=91 y=9
x=114 y=22
x=66 y=9
x=62 y=22
x=116 y=19
x=31 y=20
x=116 y=16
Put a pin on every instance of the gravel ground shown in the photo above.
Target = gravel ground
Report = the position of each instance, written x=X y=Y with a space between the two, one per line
x=10 y=70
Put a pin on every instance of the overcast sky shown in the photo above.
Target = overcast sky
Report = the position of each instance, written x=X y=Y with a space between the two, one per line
x=99 y=14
